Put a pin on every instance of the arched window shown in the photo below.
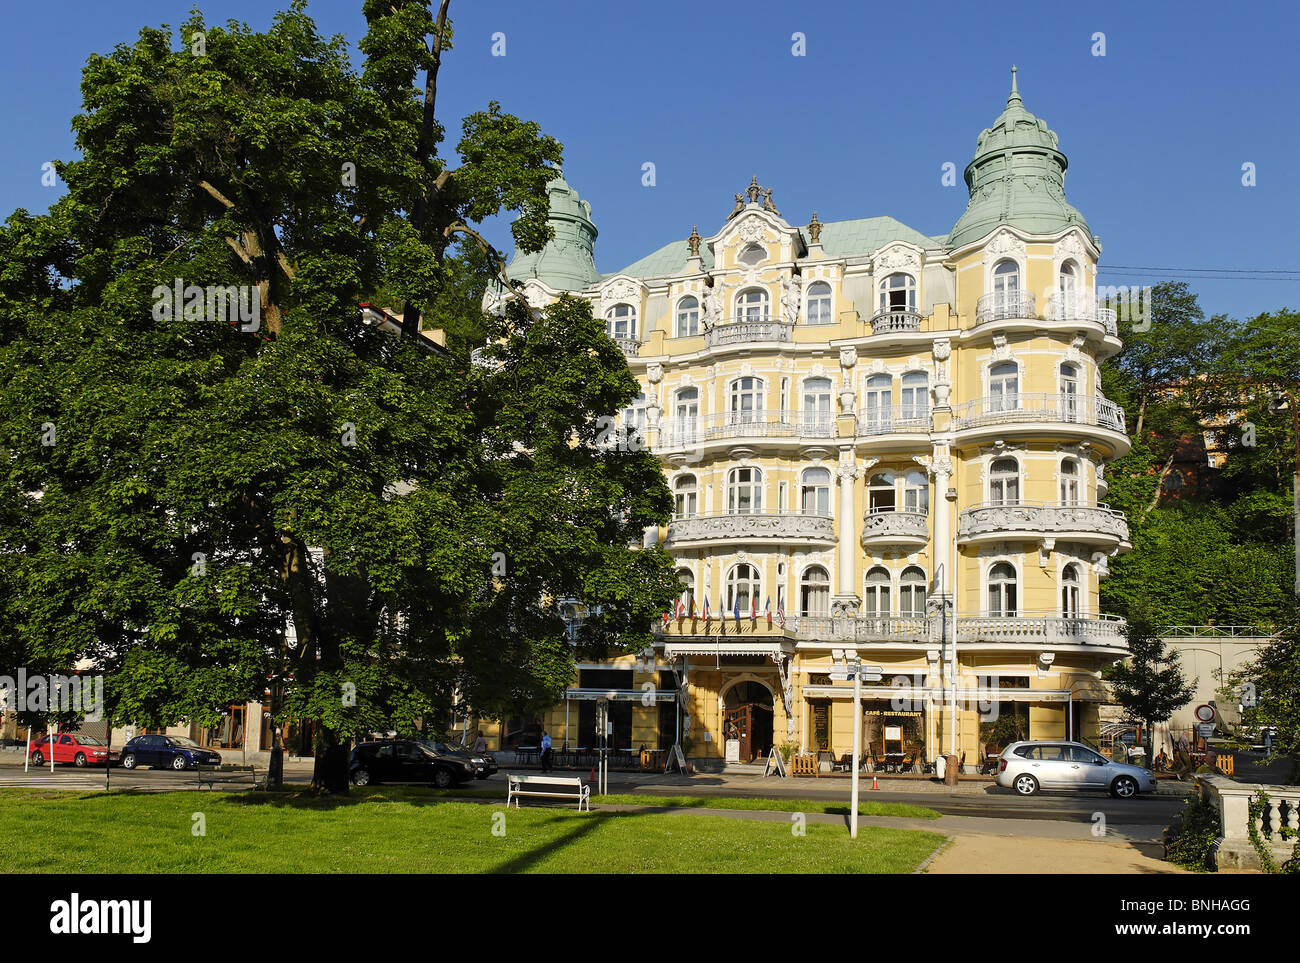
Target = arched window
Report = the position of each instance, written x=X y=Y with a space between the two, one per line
x=1070 y=592
x=744 y=491
x=686 y=497
x=898 y=293
x=1004 y=482
x=686 y=415
x=743 y=587
x=1004 y=387
x=1069 y=285
x=621 y=322
x=687 y=579
x=815 y=592
x=819 y=303
x=752 y=305
x=877 y=414
x=875 y=598
x=1002 y=590
x=911 y=593
x=688 y=317
x=1069 y=481
x=1006 y=282
x=916 y=493
x=816 y=414
x=746 y=400
x=752 y=254
x=815 y=491
x=881 y=494
x=915 y=409
x=1070 y=392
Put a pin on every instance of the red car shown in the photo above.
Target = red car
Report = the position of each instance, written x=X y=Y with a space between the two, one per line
x=76 y=748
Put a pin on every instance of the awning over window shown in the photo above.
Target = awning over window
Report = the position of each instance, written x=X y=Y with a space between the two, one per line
x=725 y=647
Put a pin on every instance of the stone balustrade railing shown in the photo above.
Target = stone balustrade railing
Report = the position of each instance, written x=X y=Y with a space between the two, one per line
x=1038 y=518
x=683 y=432
x=744 y=331
x=1234 y=850
x=883 y=526
x=790 y=526
x=1038 y=407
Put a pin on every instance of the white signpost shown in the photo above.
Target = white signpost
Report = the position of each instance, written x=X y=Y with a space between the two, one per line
x=857 y=672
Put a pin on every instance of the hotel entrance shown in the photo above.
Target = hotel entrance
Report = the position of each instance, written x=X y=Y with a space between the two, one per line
x=747 y=717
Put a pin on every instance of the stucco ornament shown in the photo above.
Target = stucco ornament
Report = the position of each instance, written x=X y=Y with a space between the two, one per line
x=535 y=295
x=848 y=357
x=895 y=259
x=617 y=291
x=711 y=306
x=1069 y=246
x=790 y=298
x=942 y=349
x=751 y=229
x=1003 y=243
x=654 y=372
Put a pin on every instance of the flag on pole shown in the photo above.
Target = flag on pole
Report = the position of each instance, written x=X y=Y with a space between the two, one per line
x=780 y=608
x=753 y=605
x=681 y=609
x=735 y=609
x=692 y=607
x=768 y=610
x=706 y=609
x=667 y=616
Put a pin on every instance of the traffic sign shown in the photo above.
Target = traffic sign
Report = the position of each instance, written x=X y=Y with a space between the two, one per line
x=1205 y=713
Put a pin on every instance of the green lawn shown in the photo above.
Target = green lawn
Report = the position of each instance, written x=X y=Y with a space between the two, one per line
x=402 y=830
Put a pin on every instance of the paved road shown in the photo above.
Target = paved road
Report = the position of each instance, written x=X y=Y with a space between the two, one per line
x=970 y=799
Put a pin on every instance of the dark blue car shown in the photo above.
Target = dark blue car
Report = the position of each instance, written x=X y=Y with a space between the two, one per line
x=166 y=752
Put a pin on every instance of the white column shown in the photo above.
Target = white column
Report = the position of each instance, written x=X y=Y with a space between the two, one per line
x=846 y=596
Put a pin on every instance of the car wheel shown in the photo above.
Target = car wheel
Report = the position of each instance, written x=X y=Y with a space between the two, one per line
x=38 y=759
x=442 y=779
x=79 y=760
x=361 y=778
x=1025 y=785
x=179 y=763
x=128 y=761
x=1125 y=787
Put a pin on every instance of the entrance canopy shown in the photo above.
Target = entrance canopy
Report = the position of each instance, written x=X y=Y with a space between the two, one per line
x=718 y=647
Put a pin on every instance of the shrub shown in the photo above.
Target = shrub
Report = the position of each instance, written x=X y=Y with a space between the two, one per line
x=1189 y=841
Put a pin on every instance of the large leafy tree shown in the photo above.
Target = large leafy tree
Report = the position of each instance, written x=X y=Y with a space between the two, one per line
x=178 y=489
x=1150 y=684
x=1269 y=689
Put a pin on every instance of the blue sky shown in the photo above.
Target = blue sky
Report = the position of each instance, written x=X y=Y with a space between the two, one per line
x=1156 y=131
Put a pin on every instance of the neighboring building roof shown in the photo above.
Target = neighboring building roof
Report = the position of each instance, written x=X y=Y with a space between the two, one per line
x=1017 y=177
x=867 y=234
x=668 y=260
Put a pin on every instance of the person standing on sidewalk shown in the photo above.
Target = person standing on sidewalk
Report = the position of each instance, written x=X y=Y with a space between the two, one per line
x=546 y=751
x=480 y=744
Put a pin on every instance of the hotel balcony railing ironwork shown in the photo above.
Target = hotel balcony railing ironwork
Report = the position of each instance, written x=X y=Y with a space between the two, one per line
x=683 y=432
x=1107 y=630
x=993 y=518
x=785 y=525
x=895 y=319
x=1001 y=305
x=890 y=526
x=885 y=421
x=743 y=331
x=1080 y=307
x=1038 y=407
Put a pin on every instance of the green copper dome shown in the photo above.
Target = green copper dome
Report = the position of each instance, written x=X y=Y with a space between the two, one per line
x=567 y=262
x=1017 y=177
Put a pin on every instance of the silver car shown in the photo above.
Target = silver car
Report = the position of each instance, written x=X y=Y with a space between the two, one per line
x=1028 y=767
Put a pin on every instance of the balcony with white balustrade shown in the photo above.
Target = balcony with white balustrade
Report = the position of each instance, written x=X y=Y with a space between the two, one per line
x=1097 y=525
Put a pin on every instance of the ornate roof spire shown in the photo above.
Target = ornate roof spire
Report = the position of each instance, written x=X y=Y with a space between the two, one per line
x=1014 y=96
x=693 y=242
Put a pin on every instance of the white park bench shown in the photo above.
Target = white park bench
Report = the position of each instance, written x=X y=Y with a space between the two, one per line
x=557 y=787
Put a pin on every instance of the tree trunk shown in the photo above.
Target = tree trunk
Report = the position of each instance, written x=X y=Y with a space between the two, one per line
x=1142 y=414
x=330 y=771
x=1160 y=484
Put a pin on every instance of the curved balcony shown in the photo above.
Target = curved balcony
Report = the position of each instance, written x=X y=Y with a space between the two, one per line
x=1004 y=305
x=894 y=320
x=751 y=526
x=1090 y=524
x=1107 y=630
x=629 y=346
x=1078 y=307
x=910 y=529
x=1039 y=408
x=678 y=433
x=746 y=332
x=893 y=419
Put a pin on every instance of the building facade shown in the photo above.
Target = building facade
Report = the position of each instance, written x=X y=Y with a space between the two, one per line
x=883 y=446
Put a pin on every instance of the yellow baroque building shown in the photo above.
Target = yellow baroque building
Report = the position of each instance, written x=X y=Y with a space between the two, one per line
x=893 y=443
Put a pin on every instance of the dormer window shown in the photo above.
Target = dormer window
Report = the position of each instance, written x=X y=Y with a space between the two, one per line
x=752 y=255
x=621 y=322
x=898 y=293
x=688 y=317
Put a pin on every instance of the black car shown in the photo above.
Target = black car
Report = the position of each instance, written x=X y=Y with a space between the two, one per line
x=172 y=752
x=484 y=763
x=404 y=760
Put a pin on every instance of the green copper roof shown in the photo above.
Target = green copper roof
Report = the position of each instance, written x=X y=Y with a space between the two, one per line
x=1017 y=177
x=867 y=234
x=567 y=262
x=668 y=260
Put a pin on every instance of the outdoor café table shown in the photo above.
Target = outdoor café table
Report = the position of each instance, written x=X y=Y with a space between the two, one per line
x=893 y=760
x=524 y=754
